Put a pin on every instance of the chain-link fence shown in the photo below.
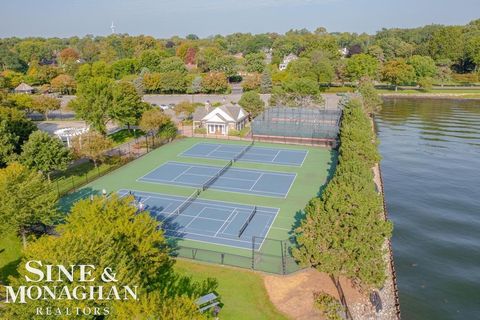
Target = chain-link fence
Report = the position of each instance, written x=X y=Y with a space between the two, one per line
x=76 y=177
x=275 y=256
x=297 y=125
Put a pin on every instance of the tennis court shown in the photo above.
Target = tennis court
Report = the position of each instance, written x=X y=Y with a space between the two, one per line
x=247 y=153
x=249 y=181
x=211 y=221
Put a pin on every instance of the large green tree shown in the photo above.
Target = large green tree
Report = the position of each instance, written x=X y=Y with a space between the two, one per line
x=301 y=92
x=114 y=235
x=28 y=202
x=44 y=104
x=424 y=66
x=398 y=72
x=127 y=107
x=94 y=102
x=361 y=65
x=252 y=103
x=45 y=153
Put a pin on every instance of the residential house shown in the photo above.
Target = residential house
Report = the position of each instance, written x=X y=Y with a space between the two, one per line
x=286 y=60
x=221 y=119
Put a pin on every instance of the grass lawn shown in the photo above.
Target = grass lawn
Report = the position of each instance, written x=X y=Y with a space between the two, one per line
x=242 y=292
x=78 y=175
x=10 y=252
x=124 y=136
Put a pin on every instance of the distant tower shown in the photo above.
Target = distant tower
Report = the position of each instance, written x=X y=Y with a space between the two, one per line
x=113 y=28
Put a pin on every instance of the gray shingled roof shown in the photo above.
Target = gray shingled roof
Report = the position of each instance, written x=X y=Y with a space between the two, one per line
x=232 y=110
x=23 y=87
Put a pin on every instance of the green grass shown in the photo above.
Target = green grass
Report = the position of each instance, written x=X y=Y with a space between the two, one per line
x=79 y=175
x=124 y=136
x=242 y=292
x=310 y=179
x=10 y=253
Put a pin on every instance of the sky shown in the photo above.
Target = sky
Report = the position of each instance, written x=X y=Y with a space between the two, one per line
x=166 y=18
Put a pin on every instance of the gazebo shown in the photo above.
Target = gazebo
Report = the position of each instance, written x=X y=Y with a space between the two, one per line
x=24 y=88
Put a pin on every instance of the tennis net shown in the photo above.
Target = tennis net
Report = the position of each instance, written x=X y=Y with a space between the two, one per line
x=241 y=153
x=184 y=205
x=245 y=225
x=210 y=181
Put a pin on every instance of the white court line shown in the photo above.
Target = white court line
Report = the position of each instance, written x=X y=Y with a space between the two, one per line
x=282 y=173
x=233 y=211
x=221 y=189
x=182 y=173
x=256 y=182
x=213 y=150
x=198 y=214
x=210 y=202
x=278 y=152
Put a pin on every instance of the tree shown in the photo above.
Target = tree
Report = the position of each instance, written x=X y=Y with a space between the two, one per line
x=361 y=65
x=371 y=100
x=133 y=245
x=172 y=82
x=266 y=81
x=207 y=57
x=92 y=145
x=251 y=82
x=255 y=62
x=196 y=86
x=172 y=64
x=297 y=93
x=68 y=55
x=124 y=67
x=20 y=101
x=397 y=72
x=343 y=232
x=94 y=102
x=215 y=82
x=447 y=43
x=252 y=103
x=28 y=201
x=44 y=104
x=191 y=36
x=424 y=66
x=151 y=59
x=153 y=120
x=64 y=84
x=185 y=107
x=15 y=129
x=322 y=67
x=45 y=153
x=127 y=106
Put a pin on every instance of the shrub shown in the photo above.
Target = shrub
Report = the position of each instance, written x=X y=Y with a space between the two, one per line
x=328 y=305
x=200 y=130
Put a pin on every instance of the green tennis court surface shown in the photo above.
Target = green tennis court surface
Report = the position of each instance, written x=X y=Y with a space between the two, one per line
x=269 y=237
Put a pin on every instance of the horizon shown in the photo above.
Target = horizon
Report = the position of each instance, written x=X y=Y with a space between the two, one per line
x=167 y=18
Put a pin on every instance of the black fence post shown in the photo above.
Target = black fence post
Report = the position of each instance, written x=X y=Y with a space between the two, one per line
x=253 y=253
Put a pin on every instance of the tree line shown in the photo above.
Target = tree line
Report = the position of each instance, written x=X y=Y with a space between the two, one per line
x=419 y=56
x=343 y=232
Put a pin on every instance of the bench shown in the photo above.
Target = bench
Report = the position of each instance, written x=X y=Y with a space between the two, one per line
x=207 y=302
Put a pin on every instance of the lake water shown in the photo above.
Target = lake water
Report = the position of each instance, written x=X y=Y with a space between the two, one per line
x=431 y=171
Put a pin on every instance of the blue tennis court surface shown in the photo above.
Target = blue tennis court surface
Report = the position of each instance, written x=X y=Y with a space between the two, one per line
x=254 y=154
x=257 y=182
x=209 y=221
